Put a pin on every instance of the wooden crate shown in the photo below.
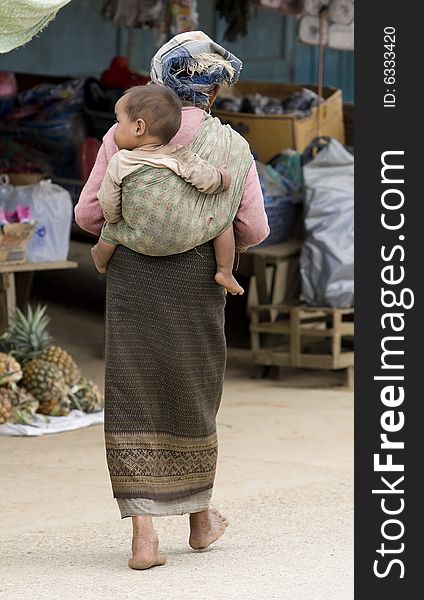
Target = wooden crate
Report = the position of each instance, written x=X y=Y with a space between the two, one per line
x=268 y=135
x=315 y=338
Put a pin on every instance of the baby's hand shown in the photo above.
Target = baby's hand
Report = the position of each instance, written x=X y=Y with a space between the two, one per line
x=226 y=177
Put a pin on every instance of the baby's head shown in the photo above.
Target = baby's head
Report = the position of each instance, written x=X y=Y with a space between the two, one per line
x=149 y=114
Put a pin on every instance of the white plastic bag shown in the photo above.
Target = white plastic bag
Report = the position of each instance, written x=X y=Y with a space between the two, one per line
x=51 y=207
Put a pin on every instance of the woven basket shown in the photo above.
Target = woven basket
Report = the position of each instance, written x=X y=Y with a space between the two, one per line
x=281 y=212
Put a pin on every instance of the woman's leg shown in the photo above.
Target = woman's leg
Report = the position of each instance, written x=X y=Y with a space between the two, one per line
x=145 y=545
x=224 y=246
x=206 y=527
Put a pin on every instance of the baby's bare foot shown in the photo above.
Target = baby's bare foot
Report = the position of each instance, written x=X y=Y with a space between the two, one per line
x=229 y=282
x=205 y=528
x=101 y=267
x=145 y=554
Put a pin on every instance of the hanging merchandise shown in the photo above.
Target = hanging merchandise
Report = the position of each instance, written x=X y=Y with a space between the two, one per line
x=183 y=16
x=179 y=16
x=326 y=262
x=313 y=7
x=165 y=17
x=236 y=14
x=287 y=7
x=21 y=20
x=338 y=23
x=134 y=13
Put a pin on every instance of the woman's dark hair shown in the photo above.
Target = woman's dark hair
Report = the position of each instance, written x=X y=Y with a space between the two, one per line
x=158 y=106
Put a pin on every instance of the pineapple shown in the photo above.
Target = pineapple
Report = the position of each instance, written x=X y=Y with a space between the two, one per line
x=27 y=335
x=62 y=360
x=10 y=369
x=24 y=406
x=5 y=404
x=86 y=396
x=54 y=408
x=45 y=381
x=29 y=339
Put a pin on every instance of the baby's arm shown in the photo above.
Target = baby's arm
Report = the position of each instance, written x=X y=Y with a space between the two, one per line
x=204 y=176
x=109 y=194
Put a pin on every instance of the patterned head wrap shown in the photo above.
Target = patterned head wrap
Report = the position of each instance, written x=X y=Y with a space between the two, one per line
x=191 y=64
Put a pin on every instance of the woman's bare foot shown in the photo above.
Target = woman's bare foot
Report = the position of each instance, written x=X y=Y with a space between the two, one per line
x=100 y=266
x=145 y=545
x=206 y=527
x=145 y=554
x=229 y=282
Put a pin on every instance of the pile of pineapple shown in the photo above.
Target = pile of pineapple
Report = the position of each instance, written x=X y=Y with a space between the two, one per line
x=37 y=376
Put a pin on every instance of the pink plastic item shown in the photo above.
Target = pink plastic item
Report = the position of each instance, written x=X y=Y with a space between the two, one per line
x=23 y=214
x=11 y=216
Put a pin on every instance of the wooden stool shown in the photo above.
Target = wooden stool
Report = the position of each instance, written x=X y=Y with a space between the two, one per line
x=272 y=256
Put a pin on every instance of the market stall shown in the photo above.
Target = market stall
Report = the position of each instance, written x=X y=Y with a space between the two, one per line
x=52 y=127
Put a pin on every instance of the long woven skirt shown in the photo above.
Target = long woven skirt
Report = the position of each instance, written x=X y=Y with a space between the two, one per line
x=165 y=361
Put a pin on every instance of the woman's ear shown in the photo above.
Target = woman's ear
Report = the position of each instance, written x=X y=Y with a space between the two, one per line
x=214 y=94
x=140 y=127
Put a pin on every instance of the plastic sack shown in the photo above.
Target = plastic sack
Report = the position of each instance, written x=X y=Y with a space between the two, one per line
x=327 y=257
x=289 y=164
x=52 y=209
x=6 y=191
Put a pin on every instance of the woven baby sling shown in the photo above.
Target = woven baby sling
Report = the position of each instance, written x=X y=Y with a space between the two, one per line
x=163 y=215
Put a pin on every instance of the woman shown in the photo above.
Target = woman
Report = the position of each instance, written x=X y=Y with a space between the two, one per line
x=165 y=344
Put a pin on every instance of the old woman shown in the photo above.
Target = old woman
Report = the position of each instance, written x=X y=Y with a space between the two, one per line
x=165 y=343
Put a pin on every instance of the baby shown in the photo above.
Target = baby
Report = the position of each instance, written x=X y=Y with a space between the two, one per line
x=148 y=118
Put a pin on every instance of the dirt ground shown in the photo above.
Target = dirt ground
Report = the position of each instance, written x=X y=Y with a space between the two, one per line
x=284 y=480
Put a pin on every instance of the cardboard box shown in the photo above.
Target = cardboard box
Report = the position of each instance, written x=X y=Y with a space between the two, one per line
x=268 y=135
x=14 y=239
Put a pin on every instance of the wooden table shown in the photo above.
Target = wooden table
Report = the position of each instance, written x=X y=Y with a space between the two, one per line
x=7 y=284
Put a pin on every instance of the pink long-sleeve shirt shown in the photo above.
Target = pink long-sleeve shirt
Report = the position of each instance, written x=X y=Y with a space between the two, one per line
x=250 y=224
